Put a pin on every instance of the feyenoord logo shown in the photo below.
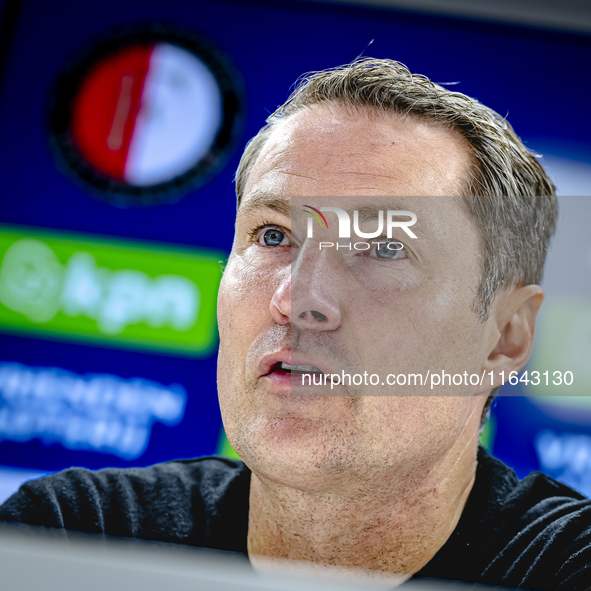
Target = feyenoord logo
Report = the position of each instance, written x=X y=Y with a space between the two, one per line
x=146 y=116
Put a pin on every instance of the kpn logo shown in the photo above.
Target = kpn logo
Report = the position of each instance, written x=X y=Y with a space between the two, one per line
x=386 y=222
x=126 y=294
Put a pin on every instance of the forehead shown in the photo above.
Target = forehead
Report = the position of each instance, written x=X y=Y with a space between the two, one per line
x=330 y=150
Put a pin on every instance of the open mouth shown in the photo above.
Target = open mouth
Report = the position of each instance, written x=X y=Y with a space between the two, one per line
x=296 y=369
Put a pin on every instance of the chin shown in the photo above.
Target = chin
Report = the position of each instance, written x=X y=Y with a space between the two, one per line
x=295 y=452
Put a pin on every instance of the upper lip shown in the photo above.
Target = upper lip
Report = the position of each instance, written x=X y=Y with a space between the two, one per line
x=291 y=357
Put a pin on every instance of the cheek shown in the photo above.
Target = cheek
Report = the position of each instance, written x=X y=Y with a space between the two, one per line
x=432 y=327
x=243 y=314
x=243 y=306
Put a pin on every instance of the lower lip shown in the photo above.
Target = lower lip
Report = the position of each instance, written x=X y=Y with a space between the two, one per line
x=288 y=381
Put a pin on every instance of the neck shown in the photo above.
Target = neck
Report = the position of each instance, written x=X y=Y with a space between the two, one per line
x=388 y=525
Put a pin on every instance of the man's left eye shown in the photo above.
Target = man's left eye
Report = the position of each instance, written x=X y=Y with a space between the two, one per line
x=389 y=251
x=273 y=237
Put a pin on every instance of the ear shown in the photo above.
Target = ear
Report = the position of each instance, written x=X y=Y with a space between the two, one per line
x=513 y=316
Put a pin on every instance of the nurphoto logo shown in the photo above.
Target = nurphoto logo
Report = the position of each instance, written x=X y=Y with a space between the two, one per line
x=389 y=219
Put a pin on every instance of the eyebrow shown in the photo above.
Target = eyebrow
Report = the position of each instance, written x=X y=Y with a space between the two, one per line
x=266 y=201
x=367 y=213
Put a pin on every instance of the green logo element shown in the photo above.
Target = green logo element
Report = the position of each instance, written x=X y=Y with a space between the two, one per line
x=130 y=294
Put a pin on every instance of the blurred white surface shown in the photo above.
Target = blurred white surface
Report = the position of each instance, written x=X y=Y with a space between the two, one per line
x=32 y=559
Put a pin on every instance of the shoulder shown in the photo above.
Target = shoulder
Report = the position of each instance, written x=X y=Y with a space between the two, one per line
x=172 y=501
x=527 y=504
x=533 y=533
x=548 y=543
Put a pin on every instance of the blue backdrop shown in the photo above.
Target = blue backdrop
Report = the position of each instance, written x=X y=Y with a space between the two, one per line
x=535 y=77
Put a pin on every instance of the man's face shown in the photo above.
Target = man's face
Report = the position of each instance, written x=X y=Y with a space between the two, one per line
x=282 y=299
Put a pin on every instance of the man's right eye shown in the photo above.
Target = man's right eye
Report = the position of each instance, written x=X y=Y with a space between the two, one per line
x=274 y=237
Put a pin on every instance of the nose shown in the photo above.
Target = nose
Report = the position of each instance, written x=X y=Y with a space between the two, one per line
x=307 y=297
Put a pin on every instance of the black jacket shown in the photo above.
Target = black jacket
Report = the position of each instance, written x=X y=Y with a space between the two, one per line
x=534 y=533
